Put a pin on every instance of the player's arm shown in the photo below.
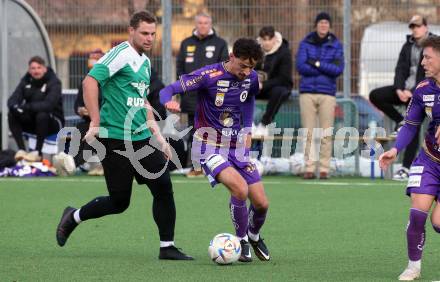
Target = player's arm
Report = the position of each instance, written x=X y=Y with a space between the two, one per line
x=91 y=101
x=186 y=82
x=247 y=111
x=155 y=130
x=413 y=119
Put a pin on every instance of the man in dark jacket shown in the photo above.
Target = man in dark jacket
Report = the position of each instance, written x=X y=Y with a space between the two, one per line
x=274 y=73
x=202 y=48
x=35 y=107
x=408 y=73
x=319 y=61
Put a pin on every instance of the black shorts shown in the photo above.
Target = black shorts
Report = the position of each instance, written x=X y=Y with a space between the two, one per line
x=120 y=170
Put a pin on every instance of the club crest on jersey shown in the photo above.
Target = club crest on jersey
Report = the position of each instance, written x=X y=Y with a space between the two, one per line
x=243 y=96
x=219 y=98
x=428 y=111
x=141 y=87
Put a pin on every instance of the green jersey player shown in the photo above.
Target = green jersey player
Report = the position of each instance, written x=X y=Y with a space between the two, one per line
x=124 y=127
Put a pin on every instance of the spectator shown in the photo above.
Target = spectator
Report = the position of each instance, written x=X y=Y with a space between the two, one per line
x=202 y=48
x=275 y=74
x=408 y=73
x=320 y=60
x=35 y=107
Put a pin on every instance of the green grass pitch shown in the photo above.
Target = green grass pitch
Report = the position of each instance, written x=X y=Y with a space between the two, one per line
x=344 y=229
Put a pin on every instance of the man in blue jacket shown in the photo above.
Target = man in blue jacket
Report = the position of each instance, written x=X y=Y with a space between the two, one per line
x=319 y=61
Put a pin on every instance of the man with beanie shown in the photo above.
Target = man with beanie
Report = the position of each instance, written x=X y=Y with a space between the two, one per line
x=274 y=73
x=319 y=61
x=408 y=73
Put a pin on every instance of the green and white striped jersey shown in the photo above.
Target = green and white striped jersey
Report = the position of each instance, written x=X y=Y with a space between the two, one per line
x=124 y=78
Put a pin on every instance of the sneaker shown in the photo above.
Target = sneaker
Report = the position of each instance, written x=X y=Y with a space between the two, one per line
x=410 y=274
x=33 y=156
x=323 y=175
x=195 y=173
x=64 y=164
x=309 y=175
x=97 y=171
x=20 y=155
x=260 y=249
x=173 y=253
x=401 y=175
x=66 y=226
x=245 y=251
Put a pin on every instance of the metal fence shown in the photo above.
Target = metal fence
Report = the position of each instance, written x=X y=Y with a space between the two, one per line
x=77 y=27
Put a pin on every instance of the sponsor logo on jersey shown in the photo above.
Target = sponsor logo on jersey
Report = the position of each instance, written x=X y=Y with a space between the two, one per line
x=208 y=71
x=140 y=86
x=223 y=83
x=428 y=98
x=215 y=74
x=219 y=98
x=243 y=96
x=191 y=48
x=416 y=169
x=210 y=48
x=193 y=81
x=414 y=181
x=229 y=132
x=135 y=102
x=430 y=104
x=226 y=118
x=225 y=89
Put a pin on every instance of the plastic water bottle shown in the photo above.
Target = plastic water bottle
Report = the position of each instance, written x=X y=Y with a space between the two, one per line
x=372 y=125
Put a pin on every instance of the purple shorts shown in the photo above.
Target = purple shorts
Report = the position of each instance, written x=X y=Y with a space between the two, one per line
x=424 y=176
x=218 y=159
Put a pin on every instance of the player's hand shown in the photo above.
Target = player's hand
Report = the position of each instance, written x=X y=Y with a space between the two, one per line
x=402 y=96
x=173 y=107
x=91 y=133
x=387 y=158
x=437 y=135
x=165 y=147
x=82 y=111
x=407 y=93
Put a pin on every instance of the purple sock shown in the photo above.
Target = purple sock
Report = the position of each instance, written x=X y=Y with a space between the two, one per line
x=239 y=216
x=415 y=233
x=256 y=219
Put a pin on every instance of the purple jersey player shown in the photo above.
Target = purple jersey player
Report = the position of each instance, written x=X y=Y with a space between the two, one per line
x=424 y=179
x=223 y=120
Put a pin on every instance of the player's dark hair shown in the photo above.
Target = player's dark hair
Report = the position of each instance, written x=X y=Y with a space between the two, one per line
x=432 y=41
x=267 y=31
x=142 y=16
x=38 y=60
x=247 y=48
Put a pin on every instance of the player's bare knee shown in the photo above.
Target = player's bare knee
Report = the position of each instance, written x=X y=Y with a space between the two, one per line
x=261 y=205
x=240 y=193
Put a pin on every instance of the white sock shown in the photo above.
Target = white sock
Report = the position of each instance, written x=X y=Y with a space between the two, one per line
x=254 y=237
x=244 y=238
x=415 y=264
x=76 y=216
x=164 y=244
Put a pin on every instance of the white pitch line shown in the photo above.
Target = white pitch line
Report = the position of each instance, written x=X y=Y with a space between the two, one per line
x=201 y=181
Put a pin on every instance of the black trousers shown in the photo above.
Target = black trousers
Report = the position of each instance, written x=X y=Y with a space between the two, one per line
x=275 y=96
x=385 y=98
x=119 y=172
x=41 y=124
x=82 y=126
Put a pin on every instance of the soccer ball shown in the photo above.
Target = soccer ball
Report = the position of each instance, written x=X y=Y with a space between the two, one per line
x=224 y=248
